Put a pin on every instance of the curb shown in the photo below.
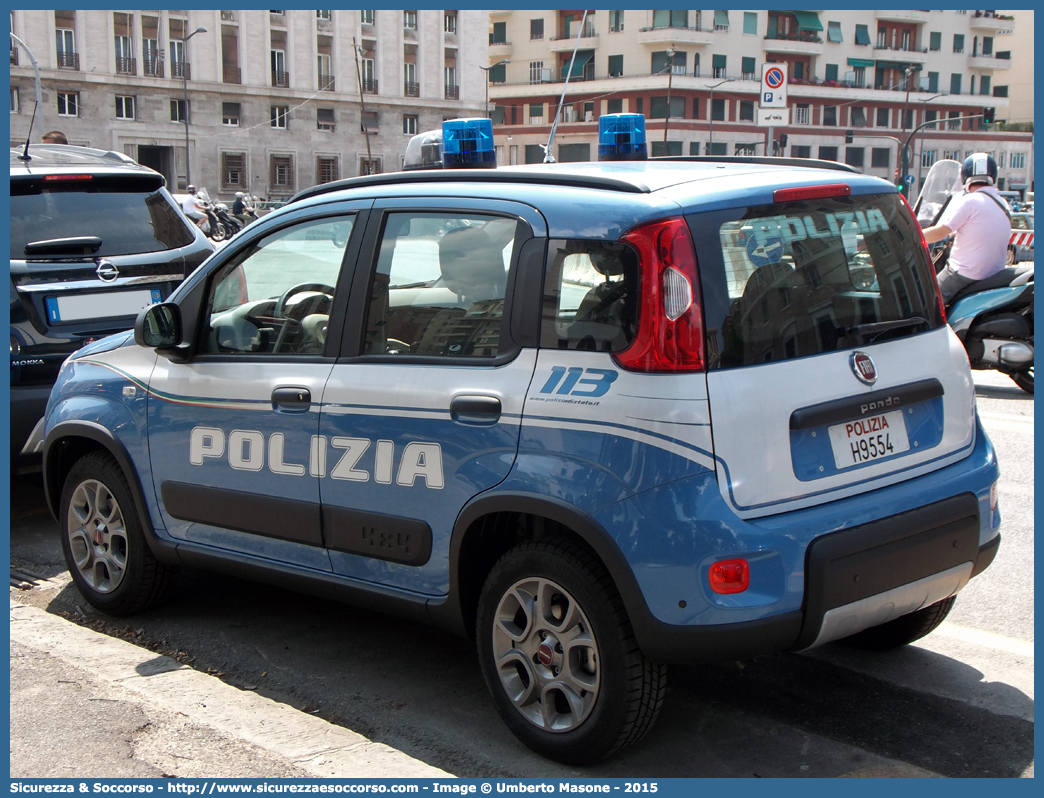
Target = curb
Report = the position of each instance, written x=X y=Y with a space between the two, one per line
x=311 y=743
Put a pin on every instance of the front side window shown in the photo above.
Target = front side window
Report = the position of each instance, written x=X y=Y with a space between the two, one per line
x=275 y=299
x=801 y=278
x=440 y=285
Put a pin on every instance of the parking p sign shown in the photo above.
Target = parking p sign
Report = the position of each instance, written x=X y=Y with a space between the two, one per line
x=773 y=86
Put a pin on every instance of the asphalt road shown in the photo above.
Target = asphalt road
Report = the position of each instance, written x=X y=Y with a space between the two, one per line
x=958 y=703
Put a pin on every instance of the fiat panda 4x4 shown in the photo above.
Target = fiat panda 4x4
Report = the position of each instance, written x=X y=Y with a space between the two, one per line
x=600 y=417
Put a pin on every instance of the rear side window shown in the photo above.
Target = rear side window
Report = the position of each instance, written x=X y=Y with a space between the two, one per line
x=807 y=277
x=590 y=296
x=127 y=222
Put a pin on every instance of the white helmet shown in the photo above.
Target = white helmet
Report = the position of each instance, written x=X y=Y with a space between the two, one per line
x=240 y=195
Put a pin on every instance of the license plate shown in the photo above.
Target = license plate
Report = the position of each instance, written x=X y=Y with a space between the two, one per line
x=868 y=439
x=99 y=306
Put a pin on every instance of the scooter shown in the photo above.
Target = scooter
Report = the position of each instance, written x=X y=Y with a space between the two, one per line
x=993 y=317
x=231 y=224
x=218 y=231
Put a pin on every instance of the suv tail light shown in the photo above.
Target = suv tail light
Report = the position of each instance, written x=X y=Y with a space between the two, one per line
x=670 y=313
x=928 y=254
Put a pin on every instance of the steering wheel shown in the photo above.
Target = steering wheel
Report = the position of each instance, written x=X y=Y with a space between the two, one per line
x=280 y=306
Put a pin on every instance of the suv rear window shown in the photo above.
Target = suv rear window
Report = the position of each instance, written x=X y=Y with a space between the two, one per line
x=812 y=276
x=127 y=222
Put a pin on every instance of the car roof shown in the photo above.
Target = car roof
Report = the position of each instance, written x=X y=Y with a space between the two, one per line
x=59 y=157
x=604 y=199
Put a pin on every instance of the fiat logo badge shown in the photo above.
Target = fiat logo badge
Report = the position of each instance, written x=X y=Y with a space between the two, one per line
x=863 y=367
x=545 y=654
x=107 y=271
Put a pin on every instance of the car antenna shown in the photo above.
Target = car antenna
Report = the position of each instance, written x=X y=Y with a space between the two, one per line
x=548 y=157
x=36 y=72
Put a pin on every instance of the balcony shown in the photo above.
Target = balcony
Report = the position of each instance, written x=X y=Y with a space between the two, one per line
x=452 y=92
x=369 y=85
x=411 y=89
x=68 y=60
x=126 y=66
x=901 y=16
x=152 y=68
x=326 y=82
x=279 y=20
x=988 y=21
x=988 y=62
x=14 y=56
x=499 y=50
x=228 y=16
x=805 y=43
x=668 y=35
x=565 y=44
x=231 y=75
x=324 y=25
x=180 y=69
x=280 y=79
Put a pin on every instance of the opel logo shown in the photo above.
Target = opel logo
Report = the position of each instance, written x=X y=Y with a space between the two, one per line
x=863 y=367
x=107 y=271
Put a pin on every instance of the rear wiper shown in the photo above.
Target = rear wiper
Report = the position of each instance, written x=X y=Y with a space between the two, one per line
x=80 y=245
x=877 y=327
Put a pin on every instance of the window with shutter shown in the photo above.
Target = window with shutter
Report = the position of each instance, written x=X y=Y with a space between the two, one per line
x=281 y=174
x=327 y=168
x=233 y=170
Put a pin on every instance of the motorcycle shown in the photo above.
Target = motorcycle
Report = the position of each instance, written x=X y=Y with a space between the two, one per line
x=213 y=226
x=993 y=317
x=230 y=223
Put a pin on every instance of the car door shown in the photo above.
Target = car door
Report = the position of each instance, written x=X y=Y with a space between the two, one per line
x=423 y=413
x=232 y=431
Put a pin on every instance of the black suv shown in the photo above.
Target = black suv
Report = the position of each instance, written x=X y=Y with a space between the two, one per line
x=95 y=237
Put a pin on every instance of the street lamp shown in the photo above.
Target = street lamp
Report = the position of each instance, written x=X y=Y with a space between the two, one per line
x=184 y=81
x=710 y=112
x=920 y=161
x=670 y=78
x=486 y=70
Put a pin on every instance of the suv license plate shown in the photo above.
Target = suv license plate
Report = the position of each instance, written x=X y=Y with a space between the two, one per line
x=99 y=306
x=868 y=439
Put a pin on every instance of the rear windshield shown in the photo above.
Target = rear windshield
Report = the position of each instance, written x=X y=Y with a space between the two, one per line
x=801 y=278
x=127 y=222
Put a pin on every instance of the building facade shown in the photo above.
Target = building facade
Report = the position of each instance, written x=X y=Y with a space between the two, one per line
x=276 y=100
x=860 y=82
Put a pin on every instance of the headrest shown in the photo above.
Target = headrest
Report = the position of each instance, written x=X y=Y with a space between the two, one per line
x=472 y=264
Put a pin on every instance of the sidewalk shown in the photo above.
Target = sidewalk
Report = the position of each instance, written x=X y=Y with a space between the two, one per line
x=87 y=705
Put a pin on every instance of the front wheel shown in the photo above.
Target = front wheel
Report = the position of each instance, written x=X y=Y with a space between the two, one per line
x=1024 y=378
x=559 y=656
x=1011 y=258
x=902 y=630
x=103 y=543
x=218 y=231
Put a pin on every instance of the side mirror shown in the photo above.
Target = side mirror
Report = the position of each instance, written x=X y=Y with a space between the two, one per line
x=158 y=326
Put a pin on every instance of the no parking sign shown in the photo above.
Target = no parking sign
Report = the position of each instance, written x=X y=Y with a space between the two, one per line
x=773 y=85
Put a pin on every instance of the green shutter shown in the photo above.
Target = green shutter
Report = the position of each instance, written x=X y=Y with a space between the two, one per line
x=616 y=65
x=808 y=20
x=834 y=32
x=860 y=62
x=658 y=107
x=748 y=65
x=659 y=61
x=721 y=18
x=955 y=83
x=582 y=57
x=831 y=72
x=984 y=84
x=933 y=82
x=750 y=22
x=935 y=40
x=862 y=34
x=718 y=62
x=661 y=19
x=679 y=19
x=498 y=74
x=958 y=42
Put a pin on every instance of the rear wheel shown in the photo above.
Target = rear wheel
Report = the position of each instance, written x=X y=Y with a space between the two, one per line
x=559 y=656
x=1024 y=379
x=218 y=232
x=103 y=543
x=1011 y=258
x=904 y=629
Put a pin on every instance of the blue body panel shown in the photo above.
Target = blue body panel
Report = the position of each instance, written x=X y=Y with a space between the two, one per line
x=963 y=312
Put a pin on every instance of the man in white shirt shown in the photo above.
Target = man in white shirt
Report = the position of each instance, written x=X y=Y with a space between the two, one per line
x=191 y=207
x=981 y=225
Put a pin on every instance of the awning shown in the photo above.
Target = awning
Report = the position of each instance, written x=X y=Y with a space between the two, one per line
x=862 y=35
x=721 y=18
x=897 y=65
x=834 y=32
x=582 y=57
x=808 y=20
x=861 y=62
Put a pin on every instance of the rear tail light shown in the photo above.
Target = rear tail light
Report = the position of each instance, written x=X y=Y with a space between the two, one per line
x=729 y=576
x=59 y=178
x=670 y=316
x=811 y=192
x=928 y=254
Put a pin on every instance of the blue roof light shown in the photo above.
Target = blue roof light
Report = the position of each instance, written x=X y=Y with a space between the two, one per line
x=468 y=144
x=621 y=137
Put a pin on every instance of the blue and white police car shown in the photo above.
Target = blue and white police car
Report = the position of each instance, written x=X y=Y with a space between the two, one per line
x=600 y=417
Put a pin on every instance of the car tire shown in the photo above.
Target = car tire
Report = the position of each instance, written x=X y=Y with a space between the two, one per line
x=598 y=693
x=904 y=629
x=102 y=540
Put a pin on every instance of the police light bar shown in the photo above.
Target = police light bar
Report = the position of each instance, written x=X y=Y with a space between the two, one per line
x=424 y=151
x=621 y=137
x=468 y=144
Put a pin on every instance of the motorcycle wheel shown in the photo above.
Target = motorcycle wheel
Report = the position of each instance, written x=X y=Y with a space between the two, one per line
x=1024 y=379
x=1010 y=259
x=218 y=232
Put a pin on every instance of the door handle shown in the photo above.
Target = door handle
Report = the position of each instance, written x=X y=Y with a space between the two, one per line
x=471 y=409
x=293 y=400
